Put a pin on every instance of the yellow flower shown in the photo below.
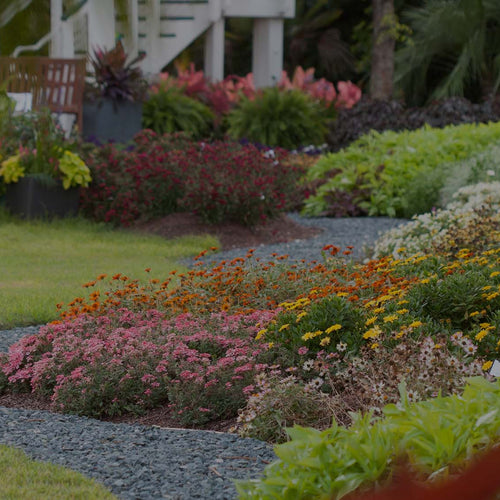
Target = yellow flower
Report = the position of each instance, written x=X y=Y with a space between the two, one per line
x=437 y=346
x=480 y=336
x=260 y=334
x=494 y=273
x=384 y=298
x=375 y=345
x=415 y=324
x=300 y=316
x=311 y=335
x=402 y=311
x=379 y=310
x=486 y=366
x=271 y=344
x=486 y=326
x=390 y=318
x=401 y=302
x=372 y=333
x=284 y=327
x=371 y=320
x=342 y=294
x=324 y=341
x=333 y=328
x=473 y=313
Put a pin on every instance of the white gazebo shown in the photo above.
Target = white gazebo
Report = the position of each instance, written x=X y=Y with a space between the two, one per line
x=161 y=29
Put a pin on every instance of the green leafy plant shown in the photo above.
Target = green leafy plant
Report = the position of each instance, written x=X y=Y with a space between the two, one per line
x=439 y=436
x=483 y=167
x=42 y=151
x=276 y=118
x=388 y=163
x=169 y=110
x=320 y=326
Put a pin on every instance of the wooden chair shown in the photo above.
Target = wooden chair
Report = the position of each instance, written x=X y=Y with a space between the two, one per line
x=54 y=83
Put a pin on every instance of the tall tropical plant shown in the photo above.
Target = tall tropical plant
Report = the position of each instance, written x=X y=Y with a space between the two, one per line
x=454 y=50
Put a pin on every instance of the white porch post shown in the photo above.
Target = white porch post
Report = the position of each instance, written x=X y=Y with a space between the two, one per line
x=101 y=24
x=62 y=43
x=214 y=51
x=267 y=56
x=152 y=32
x=130 y=28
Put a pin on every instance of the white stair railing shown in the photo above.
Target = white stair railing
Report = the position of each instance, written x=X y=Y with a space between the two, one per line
x=163 y=28
x=36 y=46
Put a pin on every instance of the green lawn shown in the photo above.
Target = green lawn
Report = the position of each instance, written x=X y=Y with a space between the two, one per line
x=44 y=263
x=23 y=479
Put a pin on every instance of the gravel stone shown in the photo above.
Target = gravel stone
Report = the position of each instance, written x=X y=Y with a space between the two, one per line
x=138 y=462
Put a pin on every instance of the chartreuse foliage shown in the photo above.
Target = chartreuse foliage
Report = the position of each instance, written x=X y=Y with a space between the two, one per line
x=381 y=167
x=438 y=437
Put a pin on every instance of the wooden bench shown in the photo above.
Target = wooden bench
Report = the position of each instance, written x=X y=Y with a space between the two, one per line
x=54 y=83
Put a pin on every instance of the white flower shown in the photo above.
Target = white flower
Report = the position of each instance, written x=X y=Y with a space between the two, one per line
x=341 y=347
x=316 y=383
x=307 y=366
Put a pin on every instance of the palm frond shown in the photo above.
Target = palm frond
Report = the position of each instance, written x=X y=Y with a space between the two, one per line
x=452 y=40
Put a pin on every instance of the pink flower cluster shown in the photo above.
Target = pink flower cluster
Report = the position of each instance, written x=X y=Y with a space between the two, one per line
x=223 y=95
x=127 y=361
x=348 y=93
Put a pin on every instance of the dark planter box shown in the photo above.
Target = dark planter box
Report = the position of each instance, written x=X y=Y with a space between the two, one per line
x=29 y=198
x=108 y=120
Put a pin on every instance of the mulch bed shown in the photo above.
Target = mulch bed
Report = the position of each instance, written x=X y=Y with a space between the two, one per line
x=231 y=235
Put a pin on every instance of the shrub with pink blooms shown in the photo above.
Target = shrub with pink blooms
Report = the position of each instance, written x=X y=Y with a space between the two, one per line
x=126 y=362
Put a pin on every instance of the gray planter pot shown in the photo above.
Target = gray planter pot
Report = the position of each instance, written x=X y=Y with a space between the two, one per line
x=29 y=198
x=107 y=120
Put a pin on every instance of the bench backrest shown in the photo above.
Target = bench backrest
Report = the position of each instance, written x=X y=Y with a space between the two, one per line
x=54 y=83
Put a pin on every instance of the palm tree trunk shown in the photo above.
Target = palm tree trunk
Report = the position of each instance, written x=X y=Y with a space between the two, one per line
x=382 y=70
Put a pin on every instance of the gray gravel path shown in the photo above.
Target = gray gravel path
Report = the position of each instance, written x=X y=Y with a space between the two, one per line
x=138 y=462
x=359 y=232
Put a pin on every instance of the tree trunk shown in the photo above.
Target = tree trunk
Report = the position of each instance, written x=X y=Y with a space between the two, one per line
x=382 y=70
